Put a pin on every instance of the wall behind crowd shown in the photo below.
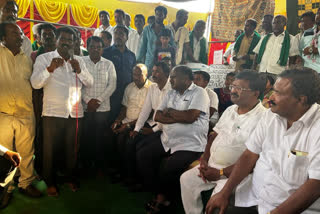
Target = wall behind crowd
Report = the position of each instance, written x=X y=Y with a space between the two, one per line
x=84 y=13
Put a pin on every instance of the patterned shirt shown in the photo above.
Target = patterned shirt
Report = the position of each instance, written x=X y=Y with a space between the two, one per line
x=104 y=83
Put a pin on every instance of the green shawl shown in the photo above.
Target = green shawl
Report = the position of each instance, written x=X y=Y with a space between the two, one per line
x=284 y=54
x=254 y=42
x=203 y=58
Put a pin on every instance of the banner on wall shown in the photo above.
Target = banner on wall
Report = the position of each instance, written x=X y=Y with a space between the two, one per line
x=230 y=15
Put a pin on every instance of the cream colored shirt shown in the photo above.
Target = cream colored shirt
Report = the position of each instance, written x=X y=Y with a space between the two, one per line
x=181 y=36
x=133 y=99
x=269 y=61
x=15 y=87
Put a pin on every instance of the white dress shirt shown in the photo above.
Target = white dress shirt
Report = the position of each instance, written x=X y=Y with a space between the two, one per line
x=233 y=130
x=281 y=170
x=104 y=83
x=214 y=100
x=152 y=102
x=270 y=58
x=133 y=99
x=182 y=136
x=181 y=36
x=26 y=46
x=101 y=28
x=3 y=150
x=228 y=52
x=133 y=42
x=62 y=90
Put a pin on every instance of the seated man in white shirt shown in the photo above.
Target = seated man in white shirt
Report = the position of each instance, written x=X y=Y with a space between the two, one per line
x=96 y=103
x=132 y=102
x=184 y=113
x=202 y=78
x=61 y=75
x=283 y=153
x=226 y=142
x=146 y=128
x=8 y=160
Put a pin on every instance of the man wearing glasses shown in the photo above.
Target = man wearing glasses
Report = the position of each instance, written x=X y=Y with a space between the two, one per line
x=226 y=142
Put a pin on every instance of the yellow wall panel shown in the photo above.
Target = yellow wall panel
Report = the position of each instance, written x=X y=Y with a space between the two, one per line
x=281 y=7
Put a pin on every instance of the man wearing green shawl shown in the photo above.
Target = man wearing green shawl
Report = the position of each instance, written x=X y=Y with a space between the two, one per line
x=243 y=49
x=276 y=49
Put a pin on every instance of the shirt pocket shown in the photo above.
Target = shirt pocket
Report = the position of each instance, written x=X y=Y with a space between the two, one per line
x=295 y=170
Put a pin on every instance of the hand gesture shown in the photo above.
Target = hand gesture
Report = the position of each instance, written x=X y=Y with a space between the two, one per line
x=211 y=174
x=217 y=201
x=75 y=65
x=133 y=134
x=55 y=63
x=122 y=129
x=93 y=105
x=115 y=125
x=13 y=157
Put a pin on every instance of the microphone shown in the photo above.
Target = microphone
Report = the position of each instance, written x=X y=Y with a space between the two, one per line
x=71 y=54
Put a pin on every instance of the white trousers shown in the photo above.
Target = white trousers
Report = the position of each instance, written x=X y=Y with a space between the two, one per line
x=192 y=186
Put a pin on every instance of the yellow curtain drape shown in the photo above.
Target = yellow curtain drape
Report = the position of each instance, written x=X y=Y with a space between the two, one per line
x=23 y=7
x=83 y=15
x=51 y=11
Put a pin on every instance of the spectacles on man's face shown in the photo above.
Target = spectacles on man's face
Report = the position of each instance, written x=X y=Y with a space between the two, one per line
x=238 y=88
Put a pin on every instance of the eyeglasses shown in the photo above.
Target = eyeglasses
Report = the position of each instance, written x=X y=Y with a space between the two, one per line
x=238 y=88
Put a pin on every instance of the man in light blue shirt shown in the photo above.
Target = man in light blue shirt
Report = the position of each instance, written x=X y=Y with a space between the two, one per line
x=184 y=113
x=309 y=50
x=150 y=38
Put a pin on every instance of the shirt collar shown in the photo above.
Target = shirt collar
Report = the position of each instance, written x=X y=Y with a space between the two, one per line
x=191 y=87
x=115 y=48
x=281 y=34
x=147 y=83
x=258 y=105
x=307 y=118
x=166 y=86
x=3 y=46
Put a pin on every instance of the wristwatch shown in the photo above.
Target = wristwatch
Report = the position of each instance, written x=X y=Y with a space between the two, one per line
x=221 y=172
x=310 y=50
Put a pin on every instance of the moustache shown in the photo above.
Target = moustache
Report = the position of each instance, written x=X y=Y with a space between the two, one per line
x=234 y=94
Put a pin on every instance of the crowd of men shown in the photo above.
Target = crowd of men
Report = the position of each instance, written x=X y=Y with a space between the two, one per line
x=130 y=108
